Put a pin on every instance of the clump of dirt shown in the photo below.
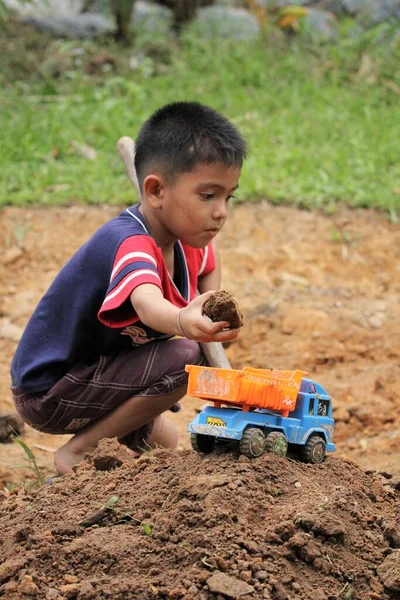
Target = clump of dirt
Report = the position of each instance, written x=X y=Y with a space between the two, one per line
x=11 y=425
x=222 y=306
x=193 y=527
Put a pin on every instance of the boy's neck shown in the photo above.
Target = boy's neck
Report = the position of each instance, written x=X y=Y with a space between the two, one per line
x=157 y=231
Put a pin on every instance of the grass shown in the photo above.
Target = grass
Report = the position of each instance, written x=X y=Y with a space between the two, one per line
x=322 y=122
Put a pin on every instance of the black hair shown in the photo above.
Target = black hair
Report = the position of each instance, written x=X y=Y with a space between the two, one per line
x=180 y=135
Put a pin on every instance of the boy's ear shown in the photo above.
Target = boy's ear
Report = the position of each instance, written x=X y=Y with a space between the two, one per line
x=153 y=189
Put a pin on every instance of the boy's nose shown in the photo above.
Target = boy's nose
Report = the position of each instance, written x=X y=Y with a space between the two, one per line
x=220 y=211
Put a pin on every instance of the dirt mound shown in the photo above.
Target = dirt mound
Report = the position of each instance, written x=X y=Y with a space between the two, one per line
x=187 y=526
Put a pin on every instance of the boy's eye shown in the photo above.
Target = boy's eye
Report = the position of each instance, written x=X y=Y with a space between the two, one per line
x=207 y=195
x=230 y=197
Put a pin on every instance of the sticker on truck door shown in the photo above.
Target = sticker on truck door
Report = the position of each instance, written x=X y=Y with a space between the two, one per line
x=215 y=421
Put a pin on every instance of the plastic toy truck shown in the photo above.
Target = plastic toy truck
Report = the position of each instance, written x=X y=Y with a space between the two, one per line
x=263 y=410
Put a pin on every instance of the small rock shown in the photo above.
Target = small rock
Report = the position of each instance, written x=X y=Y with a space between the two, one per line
x=10 y=425
x=375 y=322
x=9 y=331
x=395 y=483
x=297 y=484
x=70 y=590
x=389 y=572
x=341 y=414
x=392 y=533
x=296 y=586
x=28 y=586
x=219 y=583
x=52 y=594
x=10 y=568
x=243 y=459
x=11 y=255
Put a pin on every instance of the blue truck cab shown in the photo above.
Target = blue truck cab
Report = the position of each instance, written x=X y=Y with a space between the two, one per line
x=306 y=431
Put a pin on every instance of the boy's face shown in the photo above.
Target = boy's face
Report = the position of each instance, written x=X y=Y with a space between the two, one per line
x=195 y=207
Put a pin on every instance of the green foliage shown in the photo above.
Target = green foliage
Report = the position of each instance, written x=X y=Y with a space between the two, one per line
x=147 y=529
x=31 y=460
x=111 y=502
x=322 y=121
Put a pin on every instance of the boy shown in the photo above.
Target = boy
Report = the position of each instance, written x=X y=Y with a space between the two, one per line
x=96 y=359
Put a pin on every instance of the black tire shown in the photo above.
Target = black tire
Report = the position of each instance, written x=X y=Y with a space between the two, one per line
x=202 y=443
x=276 y=443
x=314 y=450
x=252 y=443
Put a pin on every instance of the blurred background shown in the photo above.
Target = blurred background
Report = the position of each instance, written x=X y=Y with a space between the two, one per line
x=313 y=84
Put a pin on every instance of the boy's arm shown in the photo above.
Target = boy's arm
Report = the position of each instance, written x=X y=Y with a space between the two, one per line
x=161 y=315
x=211 y=281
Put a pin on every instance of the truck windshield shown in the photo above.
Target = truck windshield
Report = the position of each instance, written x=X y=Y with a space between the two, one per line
x=323 y=408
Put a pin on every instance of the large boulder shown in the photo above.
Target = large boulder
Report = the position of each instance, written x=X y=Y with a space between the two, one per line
x=224 y=22
x=320 y=25
x=45 y=7
x=379 y=11
x=152 y=18
x=72 y=26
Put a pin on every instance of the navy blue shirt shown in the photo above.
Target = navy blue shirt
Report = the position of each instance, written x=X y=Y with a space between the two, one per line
x=87 y=312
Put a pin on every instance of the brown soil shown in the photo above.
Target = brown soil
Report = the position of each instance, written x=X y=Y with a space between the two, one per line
x=189 y=527
x=319 y=293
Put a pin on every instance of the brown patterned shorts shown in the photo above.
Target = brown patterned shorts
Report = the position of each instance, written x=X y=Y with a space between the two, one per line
x=89 y=392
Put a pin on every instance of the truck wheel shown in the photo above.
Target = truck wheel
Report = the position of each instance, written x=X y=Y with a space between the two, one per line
x=314 y=450
x=252 y=443
x=202 y=443
x=277 y=443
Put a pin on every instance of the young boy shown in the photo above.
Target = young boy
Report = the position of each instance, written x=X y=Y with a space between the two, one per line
x=96 y=358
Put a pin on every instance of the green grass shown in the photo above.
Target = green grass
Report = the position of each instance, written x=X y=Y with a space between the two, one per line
x=318 y=133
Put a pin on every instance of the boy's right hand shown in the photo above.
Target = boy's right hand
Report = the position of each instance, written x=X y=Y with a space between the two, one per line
x=200 y=328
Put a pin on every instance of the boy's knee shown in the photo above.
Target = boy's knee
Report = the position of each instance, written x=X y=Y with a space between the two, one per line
x=189 y=352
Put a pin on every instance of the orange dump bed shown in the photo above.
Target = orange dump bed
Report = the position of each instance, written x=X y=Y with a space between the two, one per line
x=256 y=388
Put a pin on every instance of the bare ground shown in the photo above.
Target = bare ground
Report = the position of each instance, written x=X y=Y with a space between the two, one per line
x=318 y=292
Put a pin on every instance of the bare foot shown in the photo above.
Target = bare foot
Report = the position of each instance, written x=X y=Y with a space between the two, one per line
x=133 y=453
x=66 y=457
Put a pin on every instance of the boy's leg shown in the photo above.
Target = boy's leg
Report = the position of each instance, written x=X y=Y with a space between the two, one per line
x=127 y=417
x=120 y=396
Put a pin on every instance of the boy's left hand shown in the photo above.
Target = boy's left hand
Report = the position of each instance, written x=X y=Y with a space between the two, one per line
x=200 y=328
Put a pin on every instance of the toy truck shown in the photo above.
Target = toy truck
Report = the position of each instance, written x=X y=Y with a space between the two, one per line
x=263 y=410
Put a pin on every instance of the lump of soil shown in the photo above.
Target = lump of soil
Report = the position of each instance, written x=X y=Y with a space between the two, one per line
x=184 y=526
x=11 y=425
x=222 y=306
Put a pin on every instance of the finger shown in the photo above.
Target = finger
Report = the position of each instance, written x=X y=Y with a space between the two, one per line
x=200 y=300
x=228 y=335
x=211 y=327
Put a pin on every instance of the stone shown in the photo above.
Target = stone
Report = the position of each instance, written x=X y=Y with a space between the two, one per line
x=27 y=586
x=11 y=425
x=88 y=25
x=352 y=7
x=151 y=18
x=224 y=22
x=10 y=331
x=379 y=11
x=219 y=583
x=320 y=25
x=389 y=572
